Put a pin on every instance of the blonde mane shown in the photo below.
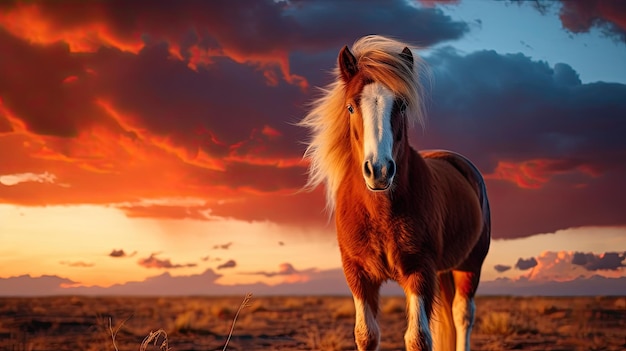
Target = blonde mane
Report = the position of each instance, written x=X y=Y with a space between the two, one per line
x=329 y=148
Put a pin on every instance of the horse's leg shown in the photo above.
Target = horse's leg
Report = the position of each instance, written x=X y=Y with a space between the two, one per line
x=365 y=292
x=463 y=307
x=419 y=289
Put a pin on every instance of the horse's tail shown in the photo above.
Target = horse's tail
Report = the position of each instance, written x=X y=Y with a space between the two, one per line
x=442 y=322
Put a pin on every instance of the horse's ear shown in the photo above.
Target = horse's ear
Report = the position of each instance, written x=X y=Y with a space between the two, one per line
x=407 y=56
x=347 y=64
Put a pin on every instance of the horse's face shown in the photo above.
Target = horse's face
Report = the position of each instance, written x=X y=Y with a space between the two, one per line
x=377 y=123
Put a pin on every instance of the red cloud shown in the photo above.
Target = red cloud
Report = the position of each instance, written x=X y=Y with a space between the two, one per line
x=33 y=23
x=87 y=26
x=580 y=16
x=533 y=174
x=433 y=3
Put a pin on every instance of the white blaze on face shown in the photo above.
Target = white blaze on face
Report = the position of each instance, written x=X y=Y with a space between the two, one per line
x=376 y=104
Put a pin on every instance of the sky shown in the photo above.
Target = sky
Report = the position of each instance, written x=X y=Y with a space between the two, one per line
x=152 y=148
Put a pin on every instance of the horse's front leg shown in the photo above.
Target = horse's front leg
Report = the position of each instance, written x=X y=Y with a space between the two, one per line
x=463 y=307
x=365 y=292
x=419 y=288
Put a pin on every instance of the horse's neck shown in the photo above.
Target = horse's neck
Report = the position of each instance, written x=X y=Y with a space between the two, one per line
x=413 y=180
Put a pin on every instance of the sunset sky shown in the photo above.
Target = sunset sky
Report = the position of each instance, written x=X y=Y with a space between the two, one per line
x=150 y=147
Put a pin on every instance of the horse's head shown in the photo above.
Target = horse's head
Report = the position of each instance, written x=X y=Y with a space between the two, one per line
x=376 y=109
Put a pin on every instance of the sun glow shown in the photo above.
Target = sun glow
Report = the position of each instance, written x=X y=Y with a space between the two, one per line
x=75 y=242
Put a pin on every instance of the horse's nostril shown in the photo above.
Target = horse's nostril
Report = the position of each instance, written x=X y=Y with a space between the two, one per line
x=367 y=169
x=391 y=169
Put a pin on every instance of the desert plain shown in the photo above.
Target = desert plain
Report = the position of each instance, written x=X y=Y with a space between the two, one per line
x=293 y=323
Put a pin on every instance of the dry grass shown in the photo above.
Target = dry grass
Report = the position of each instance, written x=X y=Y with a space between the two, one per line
x=294 y=323
x=496 y=323
x=183 y=321
x=333 y=339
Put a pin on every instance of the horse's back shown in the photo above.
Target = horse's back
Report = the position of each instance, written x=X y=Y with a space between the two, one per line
x=468 y=171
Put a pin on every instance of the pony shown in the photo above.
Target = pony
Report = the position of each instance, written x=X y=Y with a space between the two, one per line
x=421 y=219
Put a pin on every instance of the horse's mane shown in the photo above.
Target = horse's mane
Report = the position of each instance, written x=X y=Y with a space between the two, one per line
x=329 y=147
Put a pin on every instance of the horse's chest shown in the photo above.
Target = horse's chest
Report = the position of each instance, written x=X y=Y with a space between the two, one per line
x=379 y=249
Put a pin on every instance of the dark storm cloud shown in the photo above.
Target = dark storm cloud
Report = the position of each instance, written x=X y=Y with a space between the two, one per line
x=605 y=261
x=524 y=124
x=154 y=262
x=33 y=88
x=524 y=264
x=524 y=108
x=328 y=22
x=501 y=268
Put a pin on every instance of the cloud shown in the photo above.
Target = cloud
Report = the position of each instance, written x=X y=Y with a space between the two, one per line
x=203 y=33
x=227 y=264
x=127 y=141
x=91 y=119
x=104 y=124
x=569 y=265
x=538 y=135
x=222 y=246
x=525 y=264
x=164 y=284
x=324 y=282
x=79 y=264
x=582 y=16
x=501 y=268
x=154 y=262
x=14 y=179
x=26 y=285
x=168 y=212
x=603 y=261
x=288 y=271
x=583 y=286
x=121 y=253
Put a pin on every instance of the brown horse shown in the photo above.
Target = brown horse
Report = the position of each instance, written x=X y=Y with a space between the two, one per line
x=421 y=219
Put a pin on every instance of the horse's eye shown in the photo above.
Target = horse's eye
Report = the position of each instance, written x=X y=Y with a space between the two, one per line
x=403 y=106
x=350 y=109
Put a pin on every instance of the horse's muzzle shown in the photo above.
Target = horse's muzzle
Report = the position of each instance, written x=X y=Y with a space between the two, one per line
x=379 y=175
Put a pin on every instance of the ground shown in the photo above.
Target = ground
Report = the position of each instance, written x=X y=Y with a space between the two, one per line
x=295 y=323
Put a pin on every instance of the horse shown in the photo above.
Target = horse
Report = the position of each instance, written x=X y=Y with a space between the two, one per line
x=421 y=219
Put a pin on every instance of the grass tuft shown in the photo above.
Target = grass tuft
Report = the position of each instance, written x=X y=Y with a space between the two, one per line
x=154 y=338
x=117 y=329
x=245 y=303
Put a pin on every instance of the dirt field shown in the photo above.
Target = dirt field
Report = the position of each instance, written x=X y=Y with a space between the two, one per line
x=295 y=323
